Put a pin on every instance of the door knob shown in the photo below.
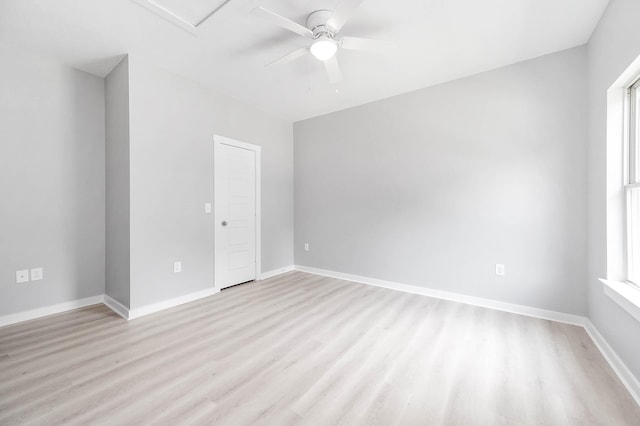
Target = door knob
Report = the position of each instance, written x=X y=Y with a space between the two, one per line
x=224 y=223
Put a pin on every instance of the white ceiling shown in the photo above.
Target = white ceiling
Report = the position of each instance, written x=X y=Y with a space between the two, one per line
x=437 y=41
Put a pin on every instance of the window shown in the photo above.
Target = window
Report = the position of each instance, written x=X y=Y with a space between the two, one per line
x=632 y=184
x=622 y=283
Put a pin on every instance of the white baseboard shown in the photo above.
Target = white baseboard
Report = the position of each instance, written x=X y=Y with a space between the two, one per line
x=50 y=310
x=455 y=297
x=275 y=272
x=626 y=376
x=170 y=303
x=111 y=303
x=116 y=307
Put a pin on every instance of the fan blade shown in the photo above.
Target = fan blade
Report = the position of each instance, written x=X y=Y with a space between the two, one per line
x=342 y=13
x=282 y=21
x=366 y=44
x=291 y=56
x=333 y=70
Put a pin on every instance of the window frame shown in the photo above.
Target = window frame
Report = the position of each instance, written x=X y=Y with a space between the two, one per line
x=632 y=172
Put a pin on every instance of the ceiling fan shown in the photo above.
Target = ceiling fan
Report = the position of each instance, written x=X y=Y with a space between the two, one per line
x=322 y=28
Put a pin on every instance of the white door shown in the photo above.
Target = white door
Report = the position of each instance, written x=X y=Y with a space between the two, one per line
x=236 y=189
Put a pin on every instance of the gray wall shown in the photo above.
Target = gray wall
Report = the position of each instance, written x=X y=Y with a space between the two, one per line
x=612 y=48
x=172 y=125
x=117 y=183
x=51 y=181
x=434 y=187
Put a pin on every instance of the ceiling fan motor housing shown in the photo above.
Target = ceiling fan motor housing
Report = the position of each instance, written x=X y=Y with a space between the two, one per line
x=317 y=22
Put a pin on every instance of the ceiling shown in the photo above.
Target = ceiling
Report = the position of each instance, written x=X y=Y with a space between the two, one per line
x=435 y=41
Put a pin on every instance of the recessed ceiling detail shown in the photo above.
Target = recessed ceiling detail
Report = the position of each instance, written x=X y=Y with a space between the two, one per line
x=188 y=14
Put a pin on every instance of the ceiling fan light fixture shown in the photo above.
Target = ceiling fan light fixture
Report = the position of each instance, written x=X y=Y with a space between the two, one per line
x=324 y=48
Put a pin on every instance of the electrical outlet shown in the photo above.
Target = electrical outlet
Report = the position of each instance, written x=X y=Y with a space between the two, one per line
x=22 y=276
x=500 y=269
x=177 y=267
x=207 y=207
x=306 y=246
x=37 y=274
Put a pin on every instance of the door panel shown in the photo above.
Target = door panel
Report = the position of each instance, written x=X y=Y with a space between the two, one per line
x=235 y=215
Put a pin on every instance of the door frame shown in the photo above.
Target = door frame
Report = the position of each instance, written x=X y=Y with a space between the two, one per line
x=219 y=140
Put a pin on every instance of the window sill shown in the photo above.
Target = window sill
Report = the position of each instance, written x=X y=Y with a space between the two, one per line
x=625 y=295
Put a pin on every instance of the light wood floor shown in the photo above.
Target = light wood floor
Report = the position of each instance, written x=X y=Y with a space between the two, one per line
x=303 y=349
